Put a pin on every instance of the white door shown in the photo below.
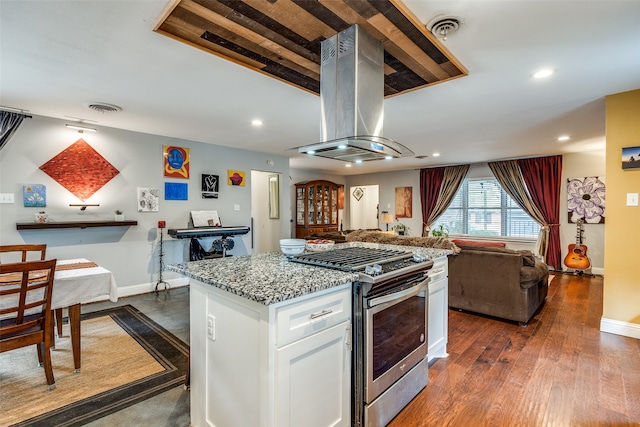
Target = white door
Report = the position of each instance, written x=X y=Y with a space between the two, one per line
x=363 y=207
x=266 y=222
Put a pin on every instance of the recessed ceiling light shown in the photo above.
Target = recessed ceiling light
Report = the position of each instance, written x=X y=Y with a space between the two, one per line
x=348 y=165
x=563 y=138
x=358 y=161
x=256 y=122
x=388 y=157
x=436 y=154
x=311 y=152
x=545 y=72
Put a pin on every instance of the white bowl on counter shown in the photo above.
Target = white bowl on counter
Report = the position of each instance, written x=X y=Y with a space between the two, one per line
x=292 y=247
x=320 y=245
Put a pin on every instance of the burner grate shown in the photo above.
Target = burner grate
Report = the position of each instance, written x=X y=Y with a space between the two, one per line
x=351 y=259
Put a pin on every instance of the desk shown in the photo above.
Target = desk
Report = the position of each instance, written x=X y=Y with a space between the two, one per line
x=73 y=287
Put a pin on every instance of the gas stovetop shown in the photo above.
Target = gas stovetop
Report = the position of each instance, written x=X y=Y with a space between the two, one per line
x=367 y=261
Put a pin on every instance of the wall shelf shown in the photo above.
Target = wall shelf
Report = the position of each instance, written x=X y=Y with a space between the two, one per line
x=72 y=224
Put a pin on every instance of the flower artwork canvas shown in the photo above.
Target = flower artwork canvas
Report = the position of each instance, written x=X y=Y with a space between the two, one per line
x=34 y=196
x=586 y=200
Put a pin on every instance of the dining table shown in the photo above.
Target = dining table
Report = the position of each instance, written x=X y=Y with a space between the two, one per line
x=78 y=281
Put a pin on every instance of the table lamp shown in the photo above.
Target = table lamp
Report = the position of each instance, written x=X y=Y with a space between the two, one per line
x=387 y=218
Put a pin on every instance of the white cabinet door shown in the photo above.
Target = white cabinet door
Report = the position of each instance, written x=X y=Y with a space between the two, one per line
x=438 y=309
x=313 y=378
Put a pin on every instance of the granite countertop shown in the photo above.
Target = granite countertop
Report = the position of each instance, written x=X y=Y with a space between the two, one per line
x=270 y=277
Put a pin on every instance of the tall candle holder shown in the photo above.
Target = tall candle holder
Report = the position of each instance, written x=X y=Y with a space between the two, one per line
x=161 y=226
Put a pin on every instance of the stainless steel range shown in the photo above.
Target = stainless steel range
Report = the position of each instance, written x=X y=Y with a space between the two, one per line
x=390 y=303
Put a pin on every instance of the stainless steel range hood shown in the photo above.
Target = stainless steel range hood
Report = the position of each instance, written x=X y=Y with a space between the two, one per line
x=352 y=97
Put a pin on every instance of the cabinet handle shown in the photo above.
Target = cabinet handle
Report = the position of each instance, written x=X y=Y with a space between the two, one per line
x=349 y=345
x=434 y=272
x=322 y=313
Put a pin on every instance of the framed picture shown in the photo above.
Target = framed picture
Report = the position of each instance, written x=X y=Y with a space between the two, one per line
x=148 y=199
x=631 y=158
x=236 y=178
x=210 y=186
x=34 y=196
x=404 y=202
x=176 y=191
x=586 y=200
x=176 y=162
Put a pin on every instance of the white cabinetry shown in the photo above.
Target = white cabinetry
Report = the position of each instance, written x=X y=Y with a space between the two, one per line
x=438 y=308
x=286 y=364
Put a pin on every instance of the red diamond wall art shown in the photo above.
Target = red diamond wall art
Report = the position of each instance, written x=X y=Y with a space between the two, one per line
x=80 y=169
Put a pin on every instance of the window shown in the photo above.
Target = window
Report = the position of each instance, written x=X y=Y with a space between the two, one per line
x=482 y=208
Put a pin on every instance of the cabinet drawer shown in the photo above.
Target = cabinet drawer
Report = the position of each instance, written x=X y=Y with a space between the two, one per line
x=307 y=317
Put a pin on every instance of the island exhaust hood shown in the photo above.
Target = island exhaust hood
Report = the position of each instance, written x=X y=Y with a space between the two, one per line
x=351 y=98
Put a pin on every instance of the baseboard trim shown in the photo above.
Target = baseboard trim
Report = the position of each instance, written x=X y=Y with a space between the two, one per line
x=631 y=330
x=143 y=288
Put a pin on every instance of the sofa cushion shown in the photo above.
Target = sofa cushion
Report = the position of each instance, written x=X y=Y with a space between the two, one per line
x=479 y=243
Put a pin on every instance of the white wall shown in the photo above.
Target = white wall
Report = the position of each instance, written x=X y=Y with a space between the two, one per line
x=129 y=252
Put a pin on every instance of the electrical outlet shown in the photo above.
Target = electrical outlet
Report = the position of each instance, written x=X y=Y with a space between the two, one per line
x=236 y=207
x=6 y=198
x=211 y=328
x=632 y=199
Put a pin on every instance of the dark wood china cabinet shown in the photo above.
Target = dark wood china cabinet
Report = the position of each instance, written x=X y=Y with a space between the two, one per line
x=316 y=207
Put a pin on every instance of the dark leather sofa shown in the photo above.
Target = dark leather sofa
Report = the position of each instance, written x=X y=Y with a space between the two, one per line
x=499 y=282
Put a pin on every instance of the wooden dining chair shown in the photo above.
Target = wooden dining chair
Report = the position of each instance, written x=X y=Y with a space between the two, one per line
x=26 y=252
x=25 y=313
x=30 y=252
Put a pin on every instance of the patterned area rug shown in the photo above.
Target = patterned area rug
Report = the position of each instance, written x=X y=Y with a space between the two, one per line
x=126 y=358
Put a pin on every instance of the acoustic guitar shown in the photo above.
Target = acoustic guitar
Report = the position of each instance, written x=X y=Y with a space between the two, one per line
x=577 y=258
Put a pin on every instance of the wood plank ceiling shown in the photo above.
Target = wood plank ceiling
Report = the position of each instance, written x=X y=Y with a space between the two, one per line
x=281 y=38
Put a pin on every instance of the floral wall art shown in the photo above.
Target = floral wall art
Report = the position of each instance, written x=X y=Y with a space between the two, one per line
x=586 y=199
x=34 y=196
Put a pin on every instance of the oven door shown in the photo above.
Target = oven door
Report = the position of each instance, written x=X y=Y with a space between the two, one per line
x=396 y=334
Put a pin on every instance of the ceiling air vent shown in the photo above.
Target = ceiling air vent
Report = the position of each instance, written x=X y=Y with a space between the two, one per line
x=102 y=107
x=443 y=26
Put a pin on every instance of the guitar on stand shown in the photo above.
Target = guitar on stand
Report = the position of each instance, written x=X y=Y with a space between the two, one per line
x=577 y=258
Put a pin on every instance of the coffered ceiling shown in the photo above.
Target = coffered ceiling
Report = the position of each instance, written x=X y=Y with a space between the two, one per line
x=282 y=38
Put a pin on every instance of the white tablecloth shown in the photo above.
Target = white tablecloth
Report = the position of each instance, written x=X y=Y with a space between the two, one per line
x=81 y=285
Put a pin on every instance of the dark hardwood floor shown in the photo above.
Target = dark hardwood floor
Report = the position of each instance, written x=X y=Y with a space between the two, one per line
x=560 y=370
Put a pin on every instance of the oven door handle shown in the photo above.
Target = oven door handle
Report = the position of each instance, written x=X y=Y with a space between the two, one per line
x=404 y=294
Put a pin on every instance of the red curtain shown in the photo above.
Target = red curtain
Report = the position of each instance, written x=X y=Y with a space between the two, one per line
x=542 y=176
x=430 y=183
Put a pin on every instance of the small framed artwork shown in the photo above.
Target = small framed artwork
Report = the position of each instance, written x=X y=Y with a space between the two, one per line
x=176 y=191
x=404 y=202
x=210 y=186
x=631 y=158
x=148 y=199
x=34 y=196
x=176 y=162
x=236 y=178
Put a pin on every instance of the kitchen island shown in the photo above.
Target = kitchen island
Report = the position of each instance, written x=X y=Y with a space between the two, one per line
x=271 y=340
